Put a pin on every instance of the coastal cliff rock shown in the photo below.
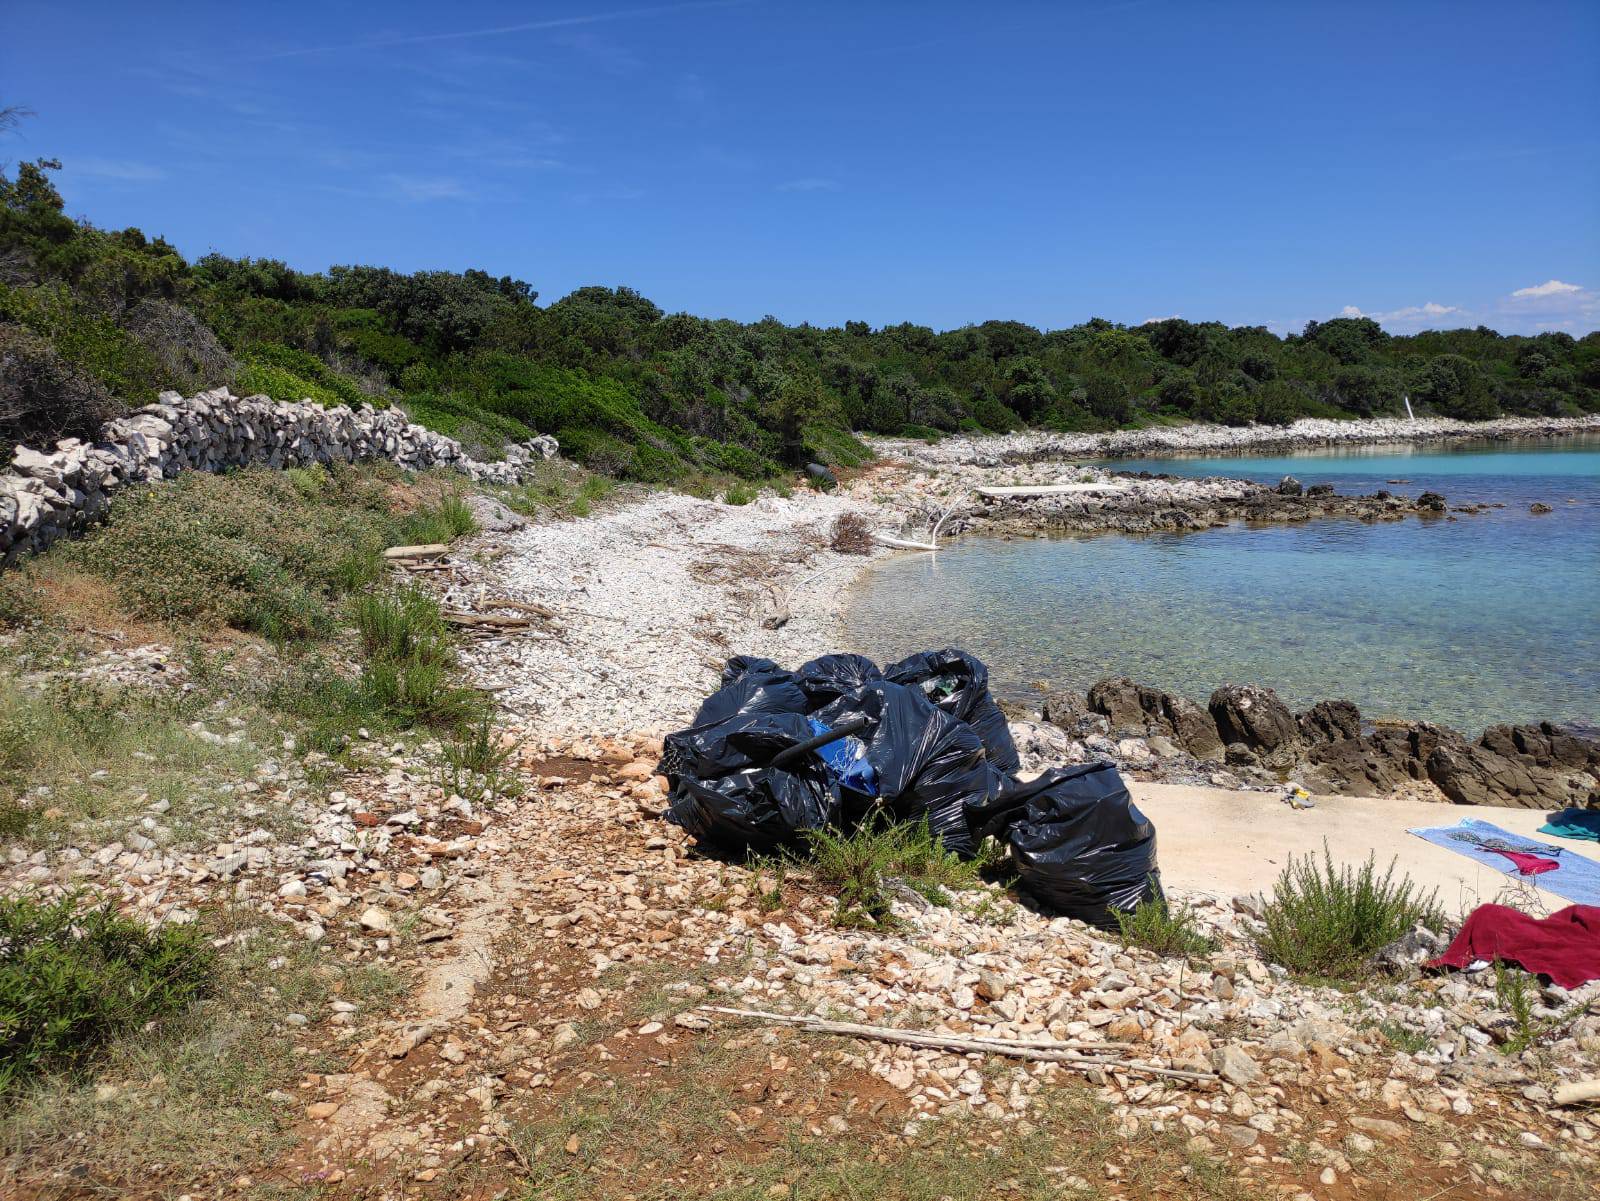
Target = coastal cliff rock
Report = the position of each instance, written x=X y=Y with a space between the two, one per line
x=1138 y=709
x=1547 y=744
x=1330 y=721
x=1254 y=716
x=1472 y=774
x=1252 y=732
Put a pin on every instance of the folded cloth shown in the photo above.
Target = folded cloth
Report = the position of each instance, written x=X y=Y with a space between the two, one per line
x=1574 y=823
x=1564 y=946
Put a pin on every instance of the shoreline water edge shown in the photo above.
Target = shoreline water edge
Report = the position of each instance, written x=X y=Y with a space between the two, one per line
x=668 y=586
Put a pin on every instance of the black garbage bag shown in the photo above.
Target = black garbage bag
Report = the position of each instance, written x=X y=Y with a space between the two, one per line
x=1080 y=845
x=928 y=765
x=959 y=684
x=750 y=685
x=725 y=791
x=742 y=665
x=826 y=679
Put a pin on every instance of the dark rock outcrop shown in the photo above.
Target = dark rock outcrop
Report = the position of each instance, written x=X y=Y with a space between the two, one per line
x=1355 y=767
x=1289 y=486
x=1471 y=774
x=1254 y=716
x=1330 y=721
x=1138 y=709
x=1430 y=502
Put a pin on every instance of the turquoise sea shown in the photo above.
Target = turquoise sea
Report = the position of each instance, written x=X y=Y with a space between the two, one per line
x=1465 y=620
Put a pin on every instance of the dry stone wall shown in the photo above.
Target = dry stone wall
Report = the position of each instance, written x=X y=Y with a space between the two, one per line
x=48 y=494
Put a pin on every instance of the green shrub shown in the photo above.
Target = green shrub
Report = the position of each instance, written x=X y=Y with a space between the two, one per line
x=739 y=494
x=73 y=976
x=474 y=760
x=257 y=549
x=1157 y=926
x=418 y=690
x=1326 y=920
x=287 y=374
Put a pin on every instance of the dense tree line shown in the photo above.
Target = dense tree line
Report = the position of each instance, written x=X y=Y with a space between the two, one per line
x=94 y=320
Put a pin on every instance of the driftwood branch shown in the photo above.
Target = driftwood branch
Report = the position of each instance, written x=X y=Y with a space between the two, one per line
x=1067 y=1053
x=428 y=550
x=901 y=543
x=1577 y=1091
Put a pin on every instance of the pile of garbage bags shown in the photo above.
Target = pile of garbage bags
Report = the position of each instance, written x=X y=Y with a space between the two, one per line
x=775 y=753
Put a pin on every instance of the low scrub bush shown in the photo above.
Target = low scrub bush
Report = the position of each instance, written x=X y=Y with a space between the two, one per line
x=73 y=976
x=1169 y=931
x=449 y=519
x=401 y=624
x=261 y=550
x=1326 y=920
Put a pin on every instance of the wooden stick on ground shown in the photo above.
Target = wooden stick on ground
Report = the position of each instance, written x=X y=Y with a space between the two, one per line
x=428 y=550
x=1065 y=1053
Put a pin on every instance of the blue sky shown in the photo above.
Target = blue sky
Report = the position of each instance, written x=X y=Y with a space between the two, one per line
x=1430 y=164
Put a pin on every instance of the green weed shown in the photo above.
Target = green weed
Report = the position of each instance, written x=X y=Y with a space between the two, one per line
x=862 y=867
x=474 y=761
x=1165 y=929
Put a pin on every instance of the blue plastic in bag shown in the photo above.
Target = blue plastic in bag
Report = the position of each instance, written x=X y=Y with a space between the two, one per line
x=845 y=760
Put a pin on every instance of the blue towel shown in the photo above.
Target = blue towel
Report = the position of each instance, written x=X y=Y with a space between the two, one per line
x=1577 y=878
x=1574 y=823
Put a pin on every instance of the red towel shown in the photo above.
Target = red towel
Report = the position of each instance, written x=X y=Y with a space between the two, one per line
x=1528 y=865
x=1564 y=946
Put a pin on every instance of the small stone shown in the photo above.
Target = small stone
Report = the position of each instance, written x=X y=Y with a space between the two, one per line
x=1381 y=1127
x=1234 y=1065
x=565 y=1036
x=320 y=1111
x=1359 y=1144
x=376 y=920
x=991 y=986
x=587 y=998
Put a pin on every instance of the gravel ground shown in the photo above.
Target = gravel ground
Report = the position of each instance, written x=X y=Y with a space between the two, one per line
x=651 y=598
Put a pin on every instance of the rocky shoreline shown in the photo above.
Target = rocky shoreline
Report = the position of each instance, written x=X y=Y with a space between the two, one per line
x=1034 y=446
x=656 y=594
x=1247 y=737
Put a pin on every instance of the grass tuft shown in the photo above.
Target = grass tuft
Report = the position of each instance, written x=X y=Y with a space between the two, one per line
x=1167 y=930
x=862 y=867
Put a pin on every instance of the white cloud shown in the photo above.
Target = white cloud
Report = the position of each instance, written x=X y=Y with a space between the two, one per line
x=1551 y=287
x=118 y=169
x=1417 y=315
x=1158 y=320
x=810 y=183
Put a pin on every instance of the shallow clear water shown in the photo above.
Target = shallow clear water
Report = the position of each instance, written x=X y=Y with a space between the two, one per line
x=1491 y=617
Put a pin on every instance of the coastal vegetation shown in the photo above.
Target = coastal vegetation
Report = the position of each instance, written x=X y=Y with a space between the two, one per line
x=94 y=321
